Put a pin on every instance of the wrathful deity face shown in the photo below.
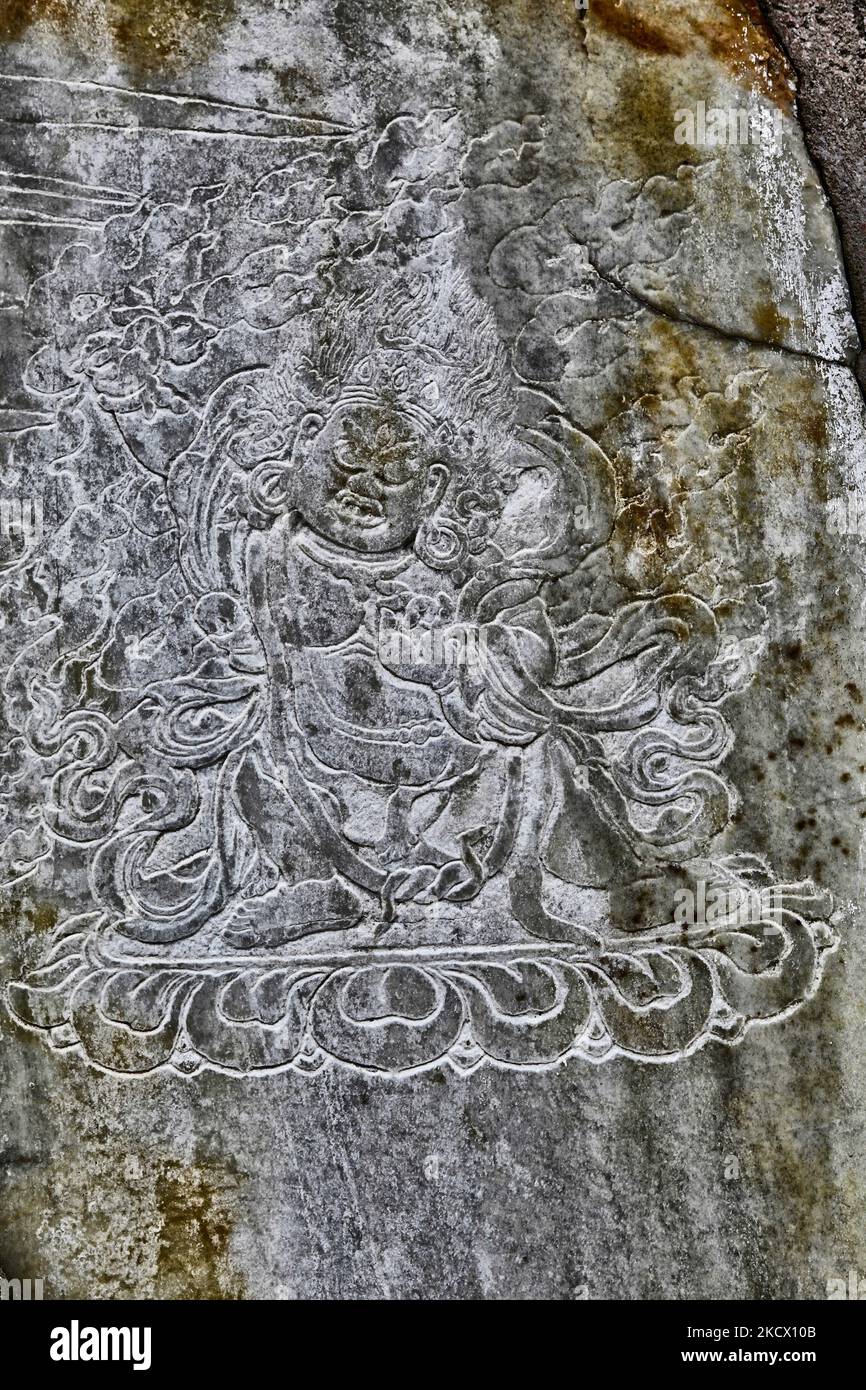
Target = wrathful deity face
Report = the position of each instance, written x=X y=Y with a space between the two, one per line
x=367 y=479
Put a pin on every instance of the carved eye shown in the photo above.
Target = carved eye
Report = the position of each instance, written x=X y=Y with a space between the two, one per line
x=344 y=458
x=444 y=435
x=364 y=370
x=401 y=378
x=399 y=470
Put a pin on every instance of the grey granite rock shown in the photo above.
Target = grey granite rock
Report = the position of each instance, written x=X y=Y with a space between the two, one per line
x=432 y=591
x=827 y=45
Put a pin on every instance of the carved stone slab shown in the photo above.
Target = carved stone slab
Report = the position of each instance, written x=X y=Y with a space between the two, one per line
x=402 y=505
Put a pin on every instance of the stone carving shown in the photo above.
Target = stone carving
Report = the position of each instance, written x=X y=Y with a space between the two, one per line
x=349 y=699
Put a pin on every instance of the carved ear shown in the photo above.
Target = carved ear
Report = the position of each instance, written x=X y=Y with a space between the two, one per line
x=308 y=428
x=430 y=393
x=437 y=481
x=271 y=488
x=272 y=485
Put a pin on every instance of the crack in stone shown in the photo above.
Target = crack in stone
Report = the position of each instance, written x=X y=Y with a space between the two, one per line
x=679 y=317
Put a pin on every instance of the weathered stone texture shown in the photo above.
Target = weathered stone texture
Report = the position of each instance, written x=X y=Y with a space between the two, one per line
x=432 y=619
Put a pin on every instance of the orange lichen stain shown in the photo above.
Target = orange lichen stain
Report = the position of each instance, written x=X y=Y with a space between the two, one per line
x=17 y=16
x=741 y=39
x=771 y=325
x=167 y=35
x=736 y=35
x=626 y=22
x=194 y=1207
x=159 y=36
x=670 y=352
x=641 y=124
x=43 y=917
x=801 y=437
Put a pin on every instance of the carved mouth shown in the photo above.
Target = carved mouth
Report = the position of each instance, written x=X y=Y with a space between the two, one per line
x=361 y=511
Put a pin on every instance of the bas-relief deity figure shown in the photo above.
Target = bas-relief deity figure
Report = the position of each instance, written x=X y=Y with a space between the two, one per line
x=398 y=790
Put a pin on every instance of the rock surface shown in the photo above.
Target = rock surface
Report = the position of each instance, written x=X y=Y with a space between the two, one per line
x=827 y=45
x=432 y=605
